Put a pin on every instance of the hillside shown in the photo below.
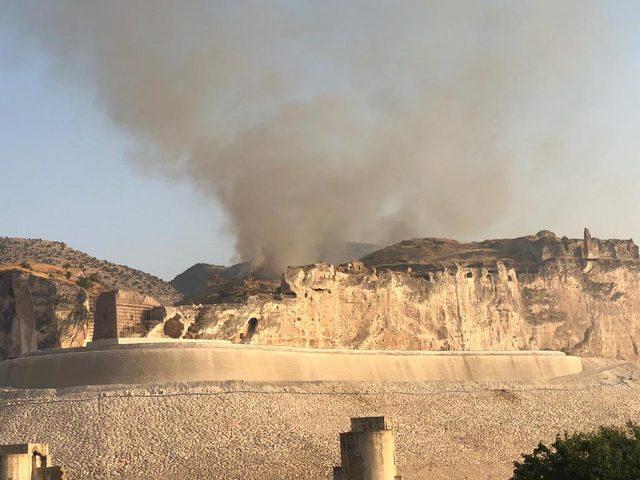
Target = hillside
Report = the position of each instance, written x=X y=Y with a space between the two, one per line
x=105 y=274
x=205 y=283
x=525 y=254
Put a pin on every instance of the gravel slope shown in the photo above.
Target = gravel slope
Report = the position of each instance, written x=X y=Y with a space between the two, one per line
x=289 y=431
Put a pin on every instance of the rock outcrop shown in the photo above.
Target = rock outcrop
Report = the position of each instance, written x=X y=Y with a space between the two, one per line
x=549 y=293
x=206 y=283
x=37 y=312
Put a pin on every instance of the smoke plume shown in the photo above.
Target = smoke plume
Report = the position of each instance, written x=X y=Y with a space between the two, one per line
x=318 y=122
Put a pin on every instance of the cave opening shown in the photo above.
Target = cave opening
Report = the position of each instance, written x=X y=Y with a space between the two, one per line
x=252 y=326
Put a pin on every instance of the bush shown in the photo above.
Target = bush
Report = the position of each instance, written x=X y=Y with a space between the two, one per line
x=609 y=453
x=67 y=274
x=26 y=265
x=84 y=282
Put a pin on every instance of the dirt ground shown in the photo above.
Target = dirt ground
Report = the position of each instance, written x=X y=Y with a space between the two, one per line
x=258 y=431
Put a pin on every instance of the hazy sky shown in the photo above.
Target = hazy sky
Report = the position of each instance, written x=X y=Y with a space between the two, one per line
x=65 y=175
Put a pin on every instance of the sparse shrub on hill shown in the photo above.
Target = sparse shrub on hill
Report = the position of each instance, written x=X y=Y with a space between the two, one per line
x=68 y=274
x=26 y=265
x=104 y=273
x=609 y=453
x=84 y=282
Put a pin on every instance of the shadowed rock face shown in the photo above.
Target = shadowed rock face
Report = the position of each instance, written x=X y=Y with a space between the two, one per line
x=205 y=283
x=37 y=313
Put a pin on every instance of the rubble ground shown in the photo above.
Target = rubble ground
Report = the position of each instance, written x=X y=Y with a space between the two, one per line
x=259 y=431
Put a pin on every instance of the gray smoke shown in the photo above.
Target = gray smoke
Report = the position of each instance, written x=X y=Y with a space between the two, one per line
x=315 y=122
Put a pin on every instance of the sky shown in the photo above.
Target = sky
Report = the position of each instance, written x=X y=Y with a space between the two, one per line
x=66 y=176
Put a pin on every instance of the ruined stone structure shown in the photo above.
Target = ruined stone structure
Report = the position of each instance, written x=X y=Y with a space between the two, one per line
x=594 y=248
x=367 y=452
x=28 y=461
x=122 y=313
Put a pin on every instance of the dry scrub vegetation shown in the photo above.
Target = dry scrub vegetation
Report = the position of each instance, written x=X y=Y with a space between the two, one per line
x=58 y=261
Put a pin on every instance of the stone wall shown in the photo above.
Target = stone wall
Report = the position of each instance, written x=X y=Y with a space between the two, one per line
x=161 y=362
x=594 y=248
x=525 y=254
x=121 y=313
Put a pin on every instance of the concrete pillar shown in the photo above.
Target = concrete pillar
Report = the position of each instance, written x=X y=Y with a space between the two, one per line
x=52 y=473
x=367 y=452
x=15 y=466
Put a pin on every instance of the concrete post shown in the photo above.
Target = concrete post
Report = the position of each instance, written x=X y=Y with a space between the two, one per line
x=28 y=461
x=15 y=466
x=367 y=452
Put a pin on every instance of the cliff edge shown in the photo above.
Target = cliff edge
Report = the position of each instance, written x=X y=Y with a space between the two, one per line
x=536 y=292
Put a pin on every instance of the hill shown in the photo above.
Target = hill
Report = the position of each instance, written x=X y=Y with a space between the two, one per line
x=525 y=254
x=528 y=293
x=206 y=283
x=101 y=273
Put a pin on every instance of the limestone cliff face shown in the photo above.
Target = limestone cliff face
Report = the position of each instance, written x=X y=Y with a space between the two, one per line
x=536 y=292
x=588 y=308
x=37 y=312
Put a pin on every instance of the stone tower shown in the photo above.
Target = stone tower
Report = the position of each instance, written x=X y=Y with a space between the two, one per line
x=28 y=461
x=587 y=248
x=367 y=452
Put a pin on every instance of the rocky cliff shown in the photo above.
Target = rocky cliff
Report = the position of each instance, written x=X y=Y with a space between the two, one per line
x=206 y=283
x=39 y=312
x=537 y=292
x=47 y=292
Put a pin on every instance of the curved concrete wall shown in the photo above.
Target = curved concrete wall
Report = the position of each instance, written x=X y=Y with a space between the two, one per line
x=184 y=362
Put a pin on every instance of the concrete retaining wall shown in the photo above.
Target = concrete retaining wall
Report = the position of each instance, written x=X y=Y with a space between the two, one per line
x=210 y=361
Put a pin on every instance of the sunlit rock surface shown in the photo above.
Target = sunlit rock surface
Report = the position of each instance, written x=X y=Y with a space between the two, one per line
x=38 y=312
x=537 y=292
x=581 y=296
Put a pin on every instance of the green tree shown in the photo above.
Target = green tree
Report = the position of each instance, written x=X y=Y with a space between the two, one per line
x=610 y=453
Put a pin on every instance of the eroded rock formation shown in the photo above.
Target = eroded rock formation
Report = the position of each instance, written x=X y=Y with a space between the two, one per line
x=38 y=312
x=537 y=292
x=549 y=293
